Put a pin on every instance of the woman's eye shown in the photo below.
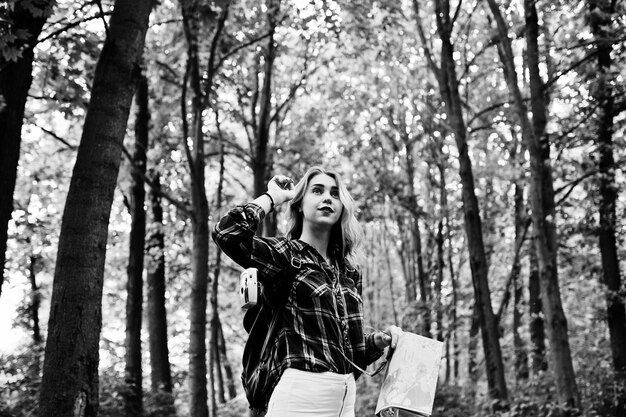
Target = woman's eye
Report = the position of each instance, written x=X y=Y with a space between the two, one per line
x=335 y=194
x=316 y=191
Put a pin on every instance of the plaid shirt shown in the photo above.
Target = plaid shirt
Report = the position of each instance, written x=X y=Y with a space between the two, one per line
x=322 y=321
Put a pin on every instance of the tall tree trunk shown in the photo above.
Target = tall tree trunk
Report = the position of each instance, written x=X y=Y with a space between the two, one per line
x=404 y=252
x=261 y=169
x=542 y=197
x=478 y=262
x=35 y=300
x=542 y=191
x=199 y=286
x=133 y=394
x=536 y=325
x=216 y=382
x=415 y=210
x=452 y=322
x=34 y=368
x=601 y=14
x=198 y=402
x=216 y=359
x=489 y=225
x=213 y=391
x=437 y=304
x=201 y=93
x=421 y=277
x=472 y=353
x=392 y=297
x=521 y=356
x=160 y=374
x=230 y=382
x=15 y=81
x=70 y=377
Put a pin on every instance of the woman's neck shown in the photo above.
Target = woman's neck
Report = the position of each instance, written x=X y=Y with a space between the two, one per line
x=318 y=239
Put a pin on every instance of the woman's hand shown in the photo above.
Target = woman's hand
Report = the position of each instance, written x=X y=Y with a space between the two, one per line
x=387 y=337
x=281 y=189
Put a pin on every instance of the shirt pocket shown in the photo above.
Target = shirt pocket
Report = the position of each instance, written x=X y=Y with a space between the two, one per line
x=352 y=295
x=310 y=291
x=354 y=302
x=320 y=291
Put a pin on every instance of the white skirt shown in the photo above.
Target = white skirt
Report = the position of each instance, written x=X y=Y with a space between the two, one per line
x=320 y=394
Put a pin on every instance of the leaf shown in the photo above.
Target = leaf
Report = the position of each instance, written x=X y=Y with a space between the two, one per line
x=11 y=54
x=36 y=8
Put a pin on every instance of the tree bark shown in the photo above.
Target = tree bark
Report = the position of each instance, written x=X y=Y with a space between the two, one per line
x=544 y=216
x=161 y=376
x=420 y=276
x=521 y=356
x=416 y=233
x=392 y=297
x=198 y=396
x=601 y=14
x=437 y=304
x=230 y=382
x=70 y=378
x=453 y=321
x=536 y=326
x=35 y=300
x=472 y=353
x=15 y=80
x=133 y=394
x=478 y=262
x=217 y=381
x=404 y=252
x=261 y=167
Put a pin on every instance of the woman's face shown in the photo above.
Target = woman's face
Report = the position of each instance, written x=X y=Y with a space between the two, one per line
x=321 y=206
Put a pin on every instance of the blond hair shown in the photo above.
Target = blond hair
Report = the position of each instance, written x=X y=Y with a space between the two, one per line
x=346 y=234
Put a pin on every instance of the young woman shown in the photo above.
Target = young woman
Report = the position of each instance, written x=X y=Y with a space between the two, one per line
x=320 y=347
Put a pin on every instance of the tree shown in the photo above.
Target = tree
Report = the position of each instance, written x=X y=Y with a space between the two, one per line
x=521 y=226
x=217 y=352
x=134 y=298
x=600 y=18
x=160 y=370
x=542 y=195
x=265 y=86
x=200 y=90
x=70 y=376
x=26 y=21
x=449 y=90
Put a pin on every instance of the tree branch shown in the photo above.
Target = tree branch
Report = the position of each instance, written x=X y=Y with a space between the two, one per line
x=159 y=190
x=572 y=184
x=183 y=115
x=242 y=46
x=418 y=22
x=570 y=68
x=169 y=70
x=54 y=135
x=507 y=288
x=73 y=25
x=102 y=14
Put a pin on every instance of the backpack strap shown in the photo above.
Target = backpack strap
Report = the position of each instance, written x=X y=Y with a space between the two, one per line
x=294 y=264
x=270 y=332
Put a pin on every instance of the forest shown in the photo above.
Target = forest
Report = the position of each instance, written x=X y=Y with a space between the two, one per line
x=482 y=140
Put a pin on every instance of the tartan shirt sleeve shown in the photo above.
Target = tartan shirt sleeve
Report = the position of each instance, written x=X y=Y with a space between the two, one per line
x=372 y=352
x=235 y=235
